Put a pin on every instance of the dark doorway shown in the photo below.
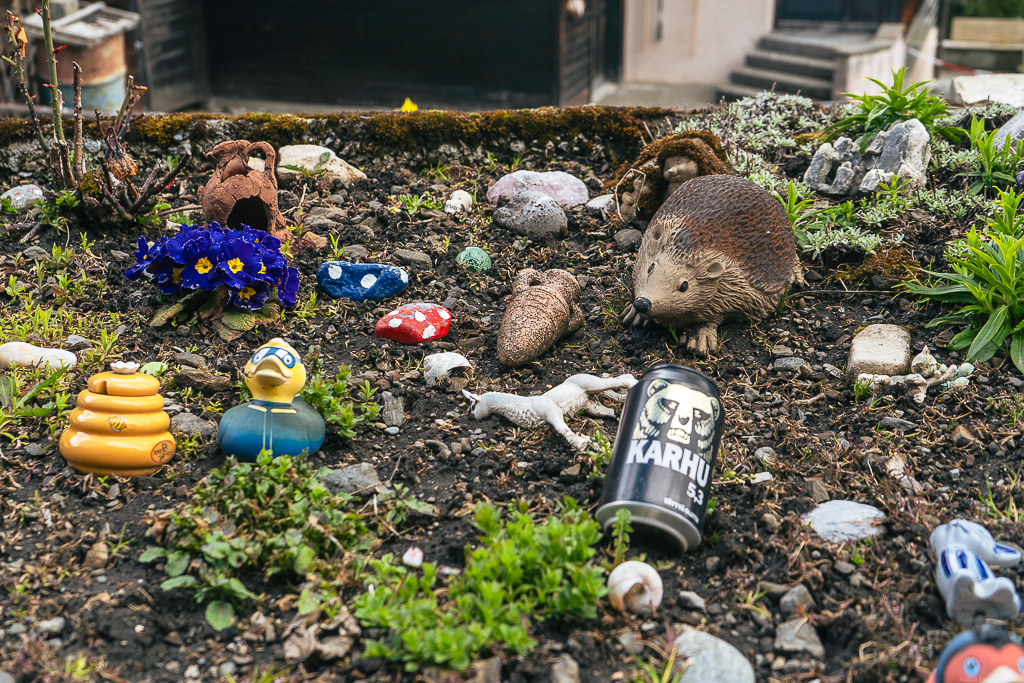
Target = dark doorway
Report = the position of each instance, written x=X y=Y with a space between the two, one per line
x=865 y=13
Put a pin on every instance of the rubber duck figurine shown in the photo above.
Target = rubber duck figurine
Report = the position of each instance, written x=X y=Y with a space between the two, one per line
x=277 y=419
x=988 y=654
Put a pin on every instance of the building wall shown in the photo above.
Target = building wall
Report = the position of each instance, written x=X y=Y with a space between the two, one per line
x=691 y=52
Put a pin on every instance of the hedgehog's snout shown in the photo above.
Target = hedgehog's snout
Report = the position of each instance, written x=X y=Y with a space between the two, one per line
x=642 y=304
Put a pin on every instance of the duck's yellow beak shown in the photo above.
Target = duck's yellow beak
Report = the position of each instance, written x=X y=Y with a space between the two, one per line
x=271 y=372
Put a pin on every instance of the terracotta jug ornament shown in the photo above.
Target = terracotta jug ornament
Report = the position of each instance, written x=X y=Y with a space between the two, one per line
x=238 y=194
x=119 y=425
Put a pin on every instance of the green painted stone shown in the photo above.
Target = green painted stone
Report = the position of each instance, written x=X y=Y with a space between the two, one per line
x=474 y=258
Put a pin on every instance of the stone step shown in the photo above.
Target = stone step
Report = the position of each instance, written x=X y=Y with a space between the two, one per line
x=794 y=64
x=796 y=45
x=731 y=92
x=763 y=79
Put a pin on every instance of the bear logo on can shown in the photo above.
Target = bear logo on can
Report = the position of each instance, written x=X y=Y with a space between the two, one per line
x=684 y=410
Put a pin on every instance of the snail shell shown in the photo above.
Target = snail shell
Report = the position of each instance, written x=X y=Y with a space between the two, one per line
x=636 y=587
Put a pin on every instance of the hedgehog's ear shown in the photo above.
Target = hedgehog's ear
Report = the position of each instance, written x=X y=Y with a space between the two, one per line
x=712 y=271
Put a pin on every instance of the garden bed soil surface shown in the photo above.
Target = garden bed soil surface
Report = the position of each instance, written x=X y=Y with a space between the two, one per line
x=886 y=625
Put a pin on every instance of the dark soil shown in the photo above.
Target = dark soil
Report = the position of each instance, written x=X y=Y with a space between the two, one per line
x=887 y=625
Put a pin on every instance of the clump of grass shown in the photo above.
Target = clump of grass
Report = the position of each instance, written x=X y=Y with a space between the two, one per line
x=872 y=114
x=521 y=570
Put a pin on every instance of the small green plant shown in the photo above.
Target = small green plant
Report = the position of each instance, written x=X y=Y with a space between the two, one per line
x=521 y=570
x=255 y=520
x=337 y=251
x=330 y=397
x=996 y=168
x=876 y=113
x=797 y=210
x=313 y=173
x=599 y=451
x=861 y=390
x=621 y=536
x=16 y=406
x=988 y=280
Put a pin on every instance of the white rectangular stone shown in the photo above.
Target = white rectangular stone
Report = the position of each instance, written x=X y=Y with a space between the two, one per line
x=879 y=350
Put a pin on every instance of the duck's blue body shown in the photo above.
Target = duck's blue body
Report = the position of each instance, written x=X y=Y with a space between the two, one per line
x=281 y=428
x=277 y=419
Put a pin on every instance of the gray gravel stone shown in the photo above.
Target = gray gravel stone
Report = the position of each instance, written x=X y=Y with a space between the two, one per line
x=844 y=568
x=766 y=455
x=416 y=260
x=187 y=423
x=190 y=360
x=358 y=477
x=51 y=626
x=711 y=659
x=690 y=600
x=890 y=422
x=631 y=643
x=629 y=239
x=532 y=213
x=565 y=670
x=796 y=598
x=791 y=364
x=356 y=252
x=37 y=254
x=392 y=431
x=75 y=342
x=797 y=635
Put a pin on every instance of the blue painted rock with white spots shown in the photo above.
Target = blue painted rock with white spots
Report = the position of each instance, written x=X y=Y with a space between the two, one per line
x=362 y=281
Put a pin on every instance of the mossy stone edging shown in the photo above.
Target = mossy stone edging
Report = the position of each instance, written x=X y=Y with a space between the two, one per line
x=619 y=130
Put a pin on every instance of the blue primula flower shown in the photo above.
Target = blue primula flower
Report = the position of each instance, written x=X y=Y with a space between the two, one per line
x=144 y=256
x=248 y=263
x=289 y=288
x=240 y=263
x=200 y=264
x=252 y=296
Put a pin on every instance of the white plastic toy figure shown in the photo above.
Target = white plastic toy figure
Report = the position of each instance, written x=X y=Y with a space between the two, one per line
x=963 y=552
x=574 y=394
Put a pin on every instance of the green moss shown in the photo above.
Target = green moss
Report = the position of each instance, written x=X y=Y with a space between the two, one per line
x=702 y=146
x=618 y=128
x=160 y=130
x=277 y=129
x=409 y=130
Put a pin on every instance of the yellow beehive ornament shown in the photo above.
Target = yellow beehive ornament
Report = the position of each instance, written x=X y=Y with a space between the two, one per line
x=119 y=426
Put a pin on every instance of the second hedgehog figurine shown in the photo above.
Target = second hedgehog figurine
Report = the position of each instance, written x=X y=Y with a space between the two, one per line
x=721 y=247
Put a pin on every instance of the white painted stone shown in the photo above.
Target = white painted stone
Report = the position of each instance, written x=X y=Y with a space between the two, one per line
x=27 y=355
x=879 y=350
x=710 y=659
x=439 y=365
x=307 y=157
x=460 y=202
x=844 y=520
x=23 y=197
x=605 y=202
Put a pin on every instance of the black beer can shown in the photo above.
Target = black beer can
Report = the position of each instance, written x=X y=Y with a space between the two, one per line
x=664 y=454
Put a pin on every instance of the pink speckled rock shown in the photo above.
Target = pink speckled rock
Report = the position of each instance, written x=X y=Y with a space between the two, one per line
x=566 y=189
x=414 y=323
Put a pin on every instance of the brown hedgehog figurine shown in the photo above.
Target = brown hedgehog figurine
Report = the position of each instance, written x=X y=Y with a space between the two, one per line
x=544 y=308
x=721 y=247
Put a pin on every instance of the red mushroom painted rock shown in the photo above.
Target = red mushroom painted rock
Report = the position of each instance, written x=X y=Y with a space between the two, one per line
x=414 y=323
